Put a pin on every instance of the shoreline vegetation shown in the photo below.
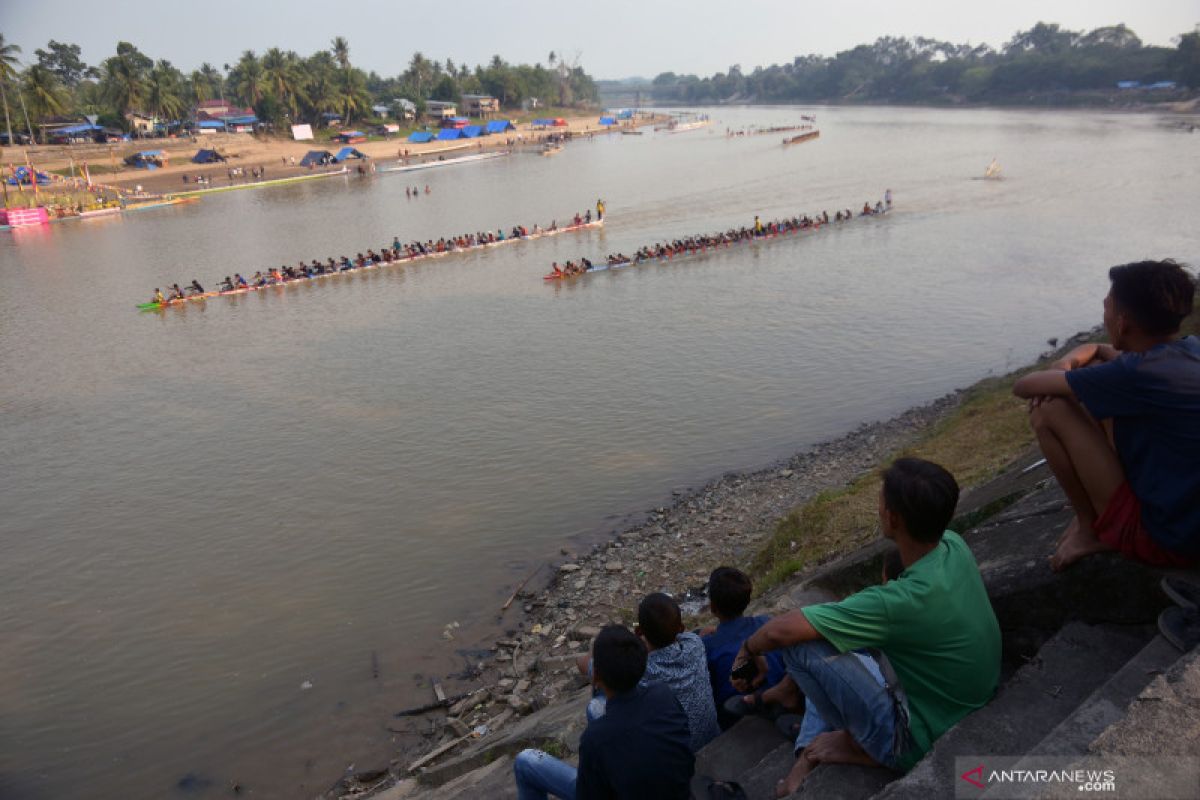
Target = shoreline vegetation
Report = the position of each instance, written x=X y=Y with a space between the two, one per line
x=1045 y=65
x=775 y=522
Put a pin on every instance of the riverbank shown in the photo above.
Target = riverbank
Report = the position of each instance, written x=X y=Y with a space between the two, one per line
x=276 y=158
x=755 y=520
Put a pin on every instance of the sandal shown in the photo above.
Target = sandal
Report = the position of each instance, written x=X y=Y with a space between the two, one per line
x=708 y=789
x=738 y=707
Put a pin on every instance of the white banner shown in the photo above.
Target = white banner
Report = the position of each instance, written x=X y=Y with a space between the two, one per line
x=301 y=132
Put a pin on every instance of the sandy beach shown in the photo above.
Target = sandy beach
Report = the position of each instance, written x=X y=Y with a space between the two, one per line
x=276 y=157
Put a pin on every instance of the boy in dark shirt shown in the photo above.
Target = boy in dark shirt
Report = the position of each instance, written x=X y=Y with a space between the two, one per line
x=1140 y=493
x=729 y=591
x=640 y=748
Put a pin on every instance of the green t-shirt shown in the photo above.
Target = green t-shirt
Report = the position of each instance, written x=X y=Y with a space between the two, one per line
x=936 y=626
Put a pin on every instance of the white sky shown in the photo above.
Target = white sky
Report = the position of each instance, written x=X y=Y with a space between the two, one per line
x=614 y=38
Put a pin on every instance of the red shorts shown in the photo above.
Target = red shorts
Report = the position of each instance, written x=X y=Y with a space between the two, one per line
x=1120 y=527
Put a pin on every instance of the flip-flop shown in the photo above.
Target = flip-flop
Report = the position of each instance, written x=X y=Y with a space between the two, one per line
x=738 y=707
x=704 y=788
x=1183 y=593
x=1180 y=627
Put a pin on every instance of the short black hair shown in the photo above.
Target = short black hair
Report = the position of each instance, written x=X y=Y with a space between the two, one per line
x=1157 y=294
x=729 y=591
x=893 y=565
x=924 y=494
x=618 y=658
x=659 y=619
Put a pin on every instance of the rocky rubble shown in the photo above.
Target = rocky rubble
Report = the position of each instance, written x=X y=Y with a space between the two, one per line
x=673 y=550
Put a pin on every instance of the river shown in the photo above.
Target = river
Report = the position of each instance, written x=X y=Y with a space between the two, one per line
x=234 y=532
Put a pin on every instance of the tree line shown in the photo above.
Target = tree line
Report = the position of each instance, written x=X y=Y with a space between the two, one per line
x=1042 y=62
x=281 y=86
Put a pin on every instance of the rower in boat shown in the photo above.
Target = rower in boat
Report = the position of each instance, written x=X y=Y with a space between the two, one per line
x=587 y=217
x=176 y=293
x=556 y=271
x=239 y=281
x=887 y=197
x=158 y=297
x=195 y=288
x=226 y=285
x=259 y=279
x=866 y=212
x=599 y=209
x=578 y=220
x=758 y=226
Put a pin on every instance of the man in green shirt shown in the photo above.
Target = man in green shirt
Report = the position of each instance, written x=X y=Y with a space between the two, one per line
x=931 y=632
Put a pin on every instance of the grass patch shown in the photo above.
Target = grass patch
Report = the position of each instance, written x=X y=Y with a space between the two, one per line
x=988 y=429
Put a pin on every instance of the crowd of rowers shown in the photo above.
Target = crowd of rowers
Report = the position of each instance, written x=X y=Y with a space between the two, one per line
x=698 y=243
x=386 y=255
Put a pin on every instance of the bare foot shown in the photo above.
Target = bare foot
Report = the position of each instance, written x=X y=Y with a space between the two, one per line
x=838 y=747
x=785 y=693
x=1071 y=529
x=796 y=776
x=1074 y=545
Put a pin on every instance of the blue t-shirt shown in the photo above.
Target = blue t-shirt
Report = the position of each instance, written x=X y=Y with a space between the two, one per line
x=640 y=748
x=721 y=648
x=1153 y=399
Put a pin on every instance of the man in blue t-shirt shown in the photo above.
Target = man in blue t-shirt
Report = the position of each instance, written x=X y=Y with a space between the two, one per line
x=1139 y=492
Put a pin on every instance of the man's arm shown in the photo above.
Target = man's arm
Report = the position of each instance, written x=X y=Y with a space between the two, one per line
x=1051 y=382
x=785 y=630
x=1044 y=383
x=1085 y=355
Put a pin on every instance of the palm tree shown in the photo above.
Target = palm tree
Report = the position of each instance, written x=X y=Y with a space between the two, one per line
x=352 y=96
x=420 y=73
x=246 y=78
x=341 y=52
x=164 y=92
x=282 y=78
x=8 y=70
x=124 y=82
x=320 y=85
x=207 y=83
x=44 y=94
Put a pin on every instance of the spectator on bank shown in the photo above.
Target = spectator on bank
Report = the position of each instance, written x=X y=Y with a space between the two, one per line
x=1137 y=493
x=639 y=748
x=675 y=658
x=931 y=632
x=729 y=592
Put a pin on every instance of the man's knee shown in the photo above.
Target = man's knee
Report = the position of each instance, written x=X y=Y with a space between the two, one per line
x=1049 y=413
x=525 y=762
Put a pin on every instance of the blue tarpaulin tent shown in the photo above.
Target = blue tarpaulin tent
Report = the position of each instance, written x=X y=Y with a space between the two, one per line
x=207 y=157
x=73 y=130
x=542 y=123
x=347 y=152
x=499 y=126
x=625 y=113
x=607 y=121
x=147 y=159
x=319 y=157
x=420 y=137
x=211 y=124
x=22 y=176
x=445 y=134
x=471 y=131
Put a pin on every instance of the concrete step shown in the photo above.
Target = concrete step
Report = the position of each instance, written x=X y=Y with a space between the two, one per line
x=1064 y=673
x=727 y=757
x=1107 y=704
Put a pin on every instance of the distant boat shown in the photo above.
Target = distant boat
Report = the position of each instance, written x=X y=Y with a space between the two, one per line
x=804 y=137
x=993 y=170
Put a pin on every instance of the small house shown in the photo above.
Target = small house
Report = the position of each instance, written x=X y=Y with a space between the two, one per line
x=440 y=109
x=480 y=105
